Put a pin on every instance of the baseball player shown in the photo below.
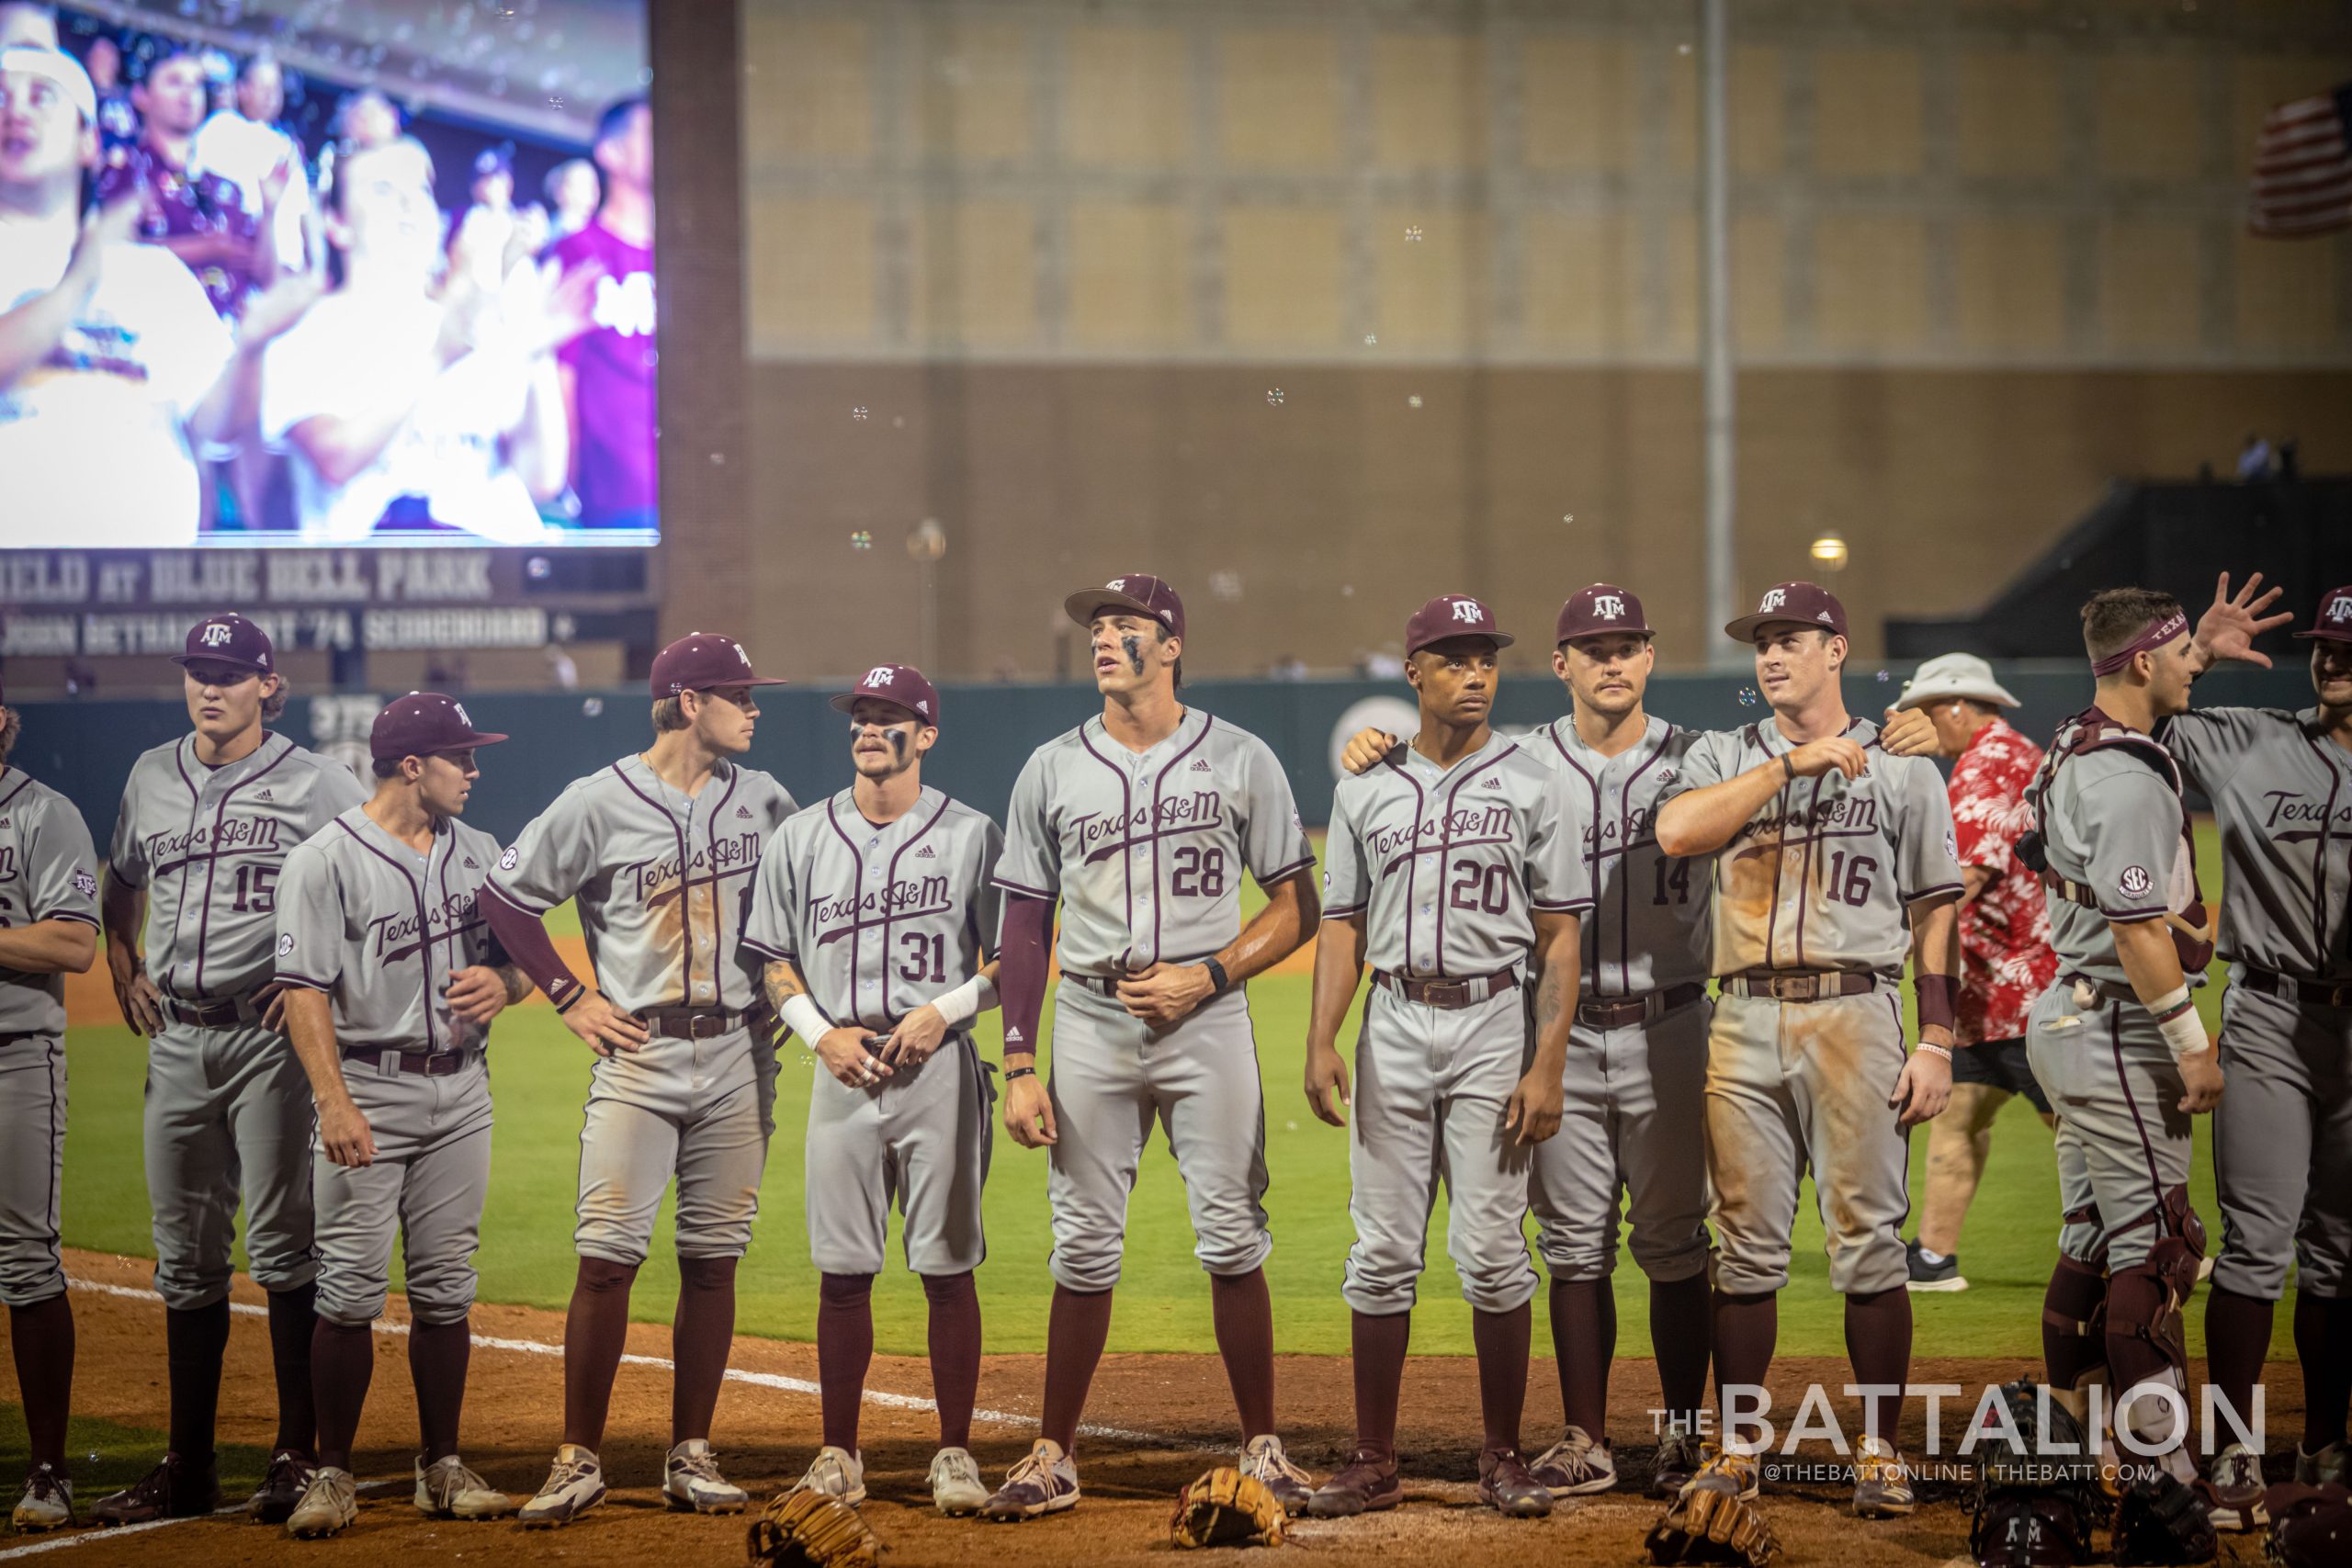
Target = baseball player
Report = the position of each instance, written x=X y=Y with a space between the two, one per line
x=205 y=825
x=1141 y=822
x=876 y=921
x=1637 y=1057
x=1829 y=862
x=1452 y=866
x=658 y=850
x=391 y=982
x=2116 y=1043
x=2005 y=954
x=49 y=917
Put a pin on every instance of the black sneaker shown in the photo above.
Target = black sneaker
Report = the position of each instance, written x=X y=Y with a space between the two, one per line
x=1927 y=1276
x=174 y=1489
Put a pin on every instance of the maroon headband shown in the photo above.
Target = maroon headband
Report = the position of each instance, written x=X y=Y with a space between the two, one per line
x=2155 y=637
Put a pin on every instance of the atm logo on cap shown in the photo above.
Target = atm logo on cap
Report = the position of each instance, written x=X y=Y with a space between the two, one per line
x=2339 y=609
x=463 y=717
x=1469 y=610
x=878 y=676
x=218 y=634
x=1772 y=601
x=1608 y=606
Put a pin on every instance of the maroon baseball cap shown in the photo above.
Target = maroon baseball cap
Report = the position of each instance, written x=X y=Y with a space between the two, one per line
x=703 y=660
x=2331 y=622
x=1137 y=593
x=424 y=723
x=900 y=684
x=1451 y=615
x=1598 y=611
x=1803 y=604
x=229 y=640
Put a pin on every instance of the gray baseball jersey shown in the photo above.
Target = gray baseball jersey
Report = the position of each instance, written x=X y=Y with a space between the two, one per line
x=48 y=872
x=878 y=920
x=1822 y=876
x=1146 y=850
x=662 y=882
x=380 y=927
x=1649 y=927
x=209 y=844
x=2282 y=794
x=1449 y=865
x=2111 y=823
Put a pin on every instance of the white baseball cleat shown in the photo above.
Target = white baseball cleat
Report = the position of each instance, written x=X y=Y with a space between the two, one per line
x=48 y=1502
x=328 y=1503
x=575 y=1483
x=2329 y=1465
x=1042 y=1481
x=838 y=1474
x=1578 y=1463
x=446 y=1489
x=691 y=1482
x=956 y=1489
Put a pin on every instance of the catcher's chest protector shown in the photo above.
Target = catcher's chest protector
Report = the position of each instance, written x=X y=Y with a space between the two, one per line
x=2092 y=730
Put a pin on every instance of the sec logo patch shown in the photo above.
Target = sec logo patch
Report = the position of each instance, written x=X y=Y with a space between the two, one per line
x=509 y=861
x=2135 y=880
x=286 y=944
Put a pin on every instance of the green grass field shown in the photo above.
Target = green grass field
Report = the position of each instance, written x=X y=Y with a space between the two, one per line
x=540 y=1076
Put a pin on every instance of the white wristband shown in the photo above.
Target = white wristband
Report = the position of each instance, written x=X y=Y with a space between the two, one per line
x=1933 y=1049
x=2184 y=1035
x=960 y=1006
x=807 y=1020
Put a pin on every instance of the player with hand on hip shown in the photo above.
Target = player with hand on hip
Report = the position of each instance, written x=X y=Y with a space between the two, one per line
x=190 y=912
x=875 y=918
x=1637 y=1057
x=49 y=917
x=391 y=982
x=1830 y=861
x=1141 y=823
x=658 y=851
x=1452 y=866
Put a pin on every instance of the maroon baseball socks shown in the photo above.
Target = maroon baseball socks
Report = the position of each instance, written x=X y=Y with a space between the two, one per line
x=42 y=1337
x=702 y=1335
x=954 y=1354
x=596 y=1331
x=1075 y=1335
x=844 y=1350
x=1243 y=1313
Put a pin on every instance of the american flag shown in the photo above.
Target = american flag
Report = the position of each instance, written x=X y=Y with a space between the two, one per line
x=2302 y=166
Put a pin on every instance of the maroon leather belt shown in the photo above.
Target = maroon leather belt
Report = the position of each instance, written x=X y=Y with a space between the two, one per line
x=1467 y=992
x=1799 y=985
x=691 y=1023
x=415 y=1064
x=2287 y=988
x=1616 y=1012
x=224 y=1013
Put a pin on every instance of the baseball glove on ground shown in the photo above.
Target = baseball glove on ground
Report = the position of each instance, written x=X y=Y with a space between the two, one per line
x=1702 y=1525
x=2311 y=1526
x=2161 y=1521
x=1226 y=1507
x=809 y=1529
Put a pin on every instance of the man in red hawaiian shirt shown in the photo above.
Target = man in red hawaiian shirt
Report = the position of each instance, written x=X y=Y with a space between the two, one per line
x=2004 y=961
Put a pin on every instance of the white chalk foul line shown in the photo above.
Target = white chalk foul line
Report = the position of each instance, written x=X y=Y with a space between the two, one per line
x=62 y=1543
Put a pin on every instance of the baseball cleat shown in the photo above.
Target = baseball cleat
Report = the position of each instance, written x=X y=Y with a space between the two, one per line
x=1731 y=1470
x=446 y=1489
x=2327 y=1468
x=1365 y=1485
x=1679 y=1459
x=838 y=1473
x=1045 y=1481
x=956 y=1489
x=47 y=1505
x=691 y=1482
x=1507 y=1485
x=1881 y=1482
x=2233 y=1491
x=1926 y=1276
x=575 y=1483
x=282 y=1487
x=174 y=1489
x=1263 y=1461
x=1576 y=1464
x=328 y=1503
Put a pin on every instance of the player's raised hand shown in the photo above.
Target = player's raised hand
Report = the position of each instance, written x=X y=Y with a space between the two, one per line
x=916 y=1039
x=848 y=1054
x=2201 y=1075
x=1159 y=994
x=1366 y=747
x=2232 y=621
x=1535 y=1105
x=1816 y=758
x=1029 y=1113
x=605 y=1027
x=1907 y=732
x=1923 y=1090
x=345 y=1134
x=141 y=1002
x=1327 y=1084
x=477 y=994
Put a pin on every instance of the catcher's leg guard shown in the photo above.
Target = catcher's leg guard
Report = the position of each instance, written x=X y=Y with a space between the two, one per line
x=2073 y=1308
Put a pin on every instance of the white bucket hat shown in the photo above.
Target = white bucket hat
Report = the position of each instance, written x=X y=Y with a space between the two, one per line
x=1954 y=675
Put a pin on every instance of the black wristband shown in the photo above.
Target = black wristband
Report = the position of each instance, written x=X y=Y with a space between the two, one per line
x=1787 y=768
x=1012 y=1073
x=1218 y=981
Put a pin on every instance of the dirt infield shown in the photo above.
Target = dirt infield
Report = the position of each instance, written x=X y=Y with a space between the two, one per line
x=1169 y=1416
